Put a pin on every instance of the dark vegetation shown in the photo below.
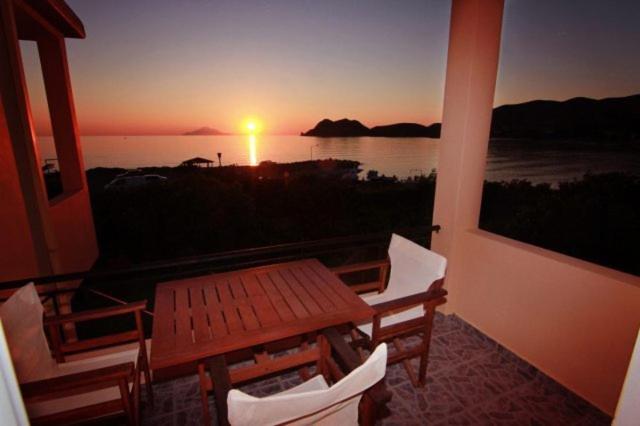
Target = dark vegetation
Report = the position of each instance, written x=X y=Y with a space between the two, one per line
x=204 y=210
x=595 y=219
x=200 y=211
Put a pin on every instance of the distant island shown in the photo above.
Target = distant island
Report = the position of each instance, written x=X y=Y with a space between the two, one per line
x=615 y=119
x=204 y=131
x=353 y=128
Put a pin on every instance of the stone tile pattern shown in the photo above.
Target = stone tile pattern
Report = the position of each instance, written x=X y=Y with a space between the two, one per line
x=471 y=380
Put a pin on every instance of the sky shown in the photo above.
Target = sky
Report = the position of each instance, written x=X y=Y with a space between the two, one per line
x=170 y=66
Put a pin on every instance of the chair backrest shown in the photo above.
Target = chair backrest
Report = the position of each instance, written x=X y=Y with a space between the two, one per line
x=413 y=267
x=337 y=405
x=23 y=325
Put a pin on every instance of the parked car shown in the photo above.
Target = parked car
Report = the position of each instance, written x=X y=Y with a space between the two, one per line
x=127 y=182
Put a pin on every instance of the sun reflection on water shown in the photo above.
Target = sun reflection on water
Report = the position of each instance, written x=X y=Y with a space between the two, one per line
x=253 y=154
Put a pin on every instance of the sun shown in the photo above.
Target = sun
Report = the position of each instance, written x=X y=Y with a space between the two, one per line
x=251 y=126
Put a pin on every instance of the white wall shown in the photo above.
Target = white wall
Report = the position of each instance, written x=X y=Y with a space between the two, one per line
x=628 y=412
x=575 y=321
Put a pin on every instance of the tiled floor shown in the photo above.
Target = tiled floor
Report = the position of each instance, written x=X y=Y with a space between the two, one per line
x=471 y=381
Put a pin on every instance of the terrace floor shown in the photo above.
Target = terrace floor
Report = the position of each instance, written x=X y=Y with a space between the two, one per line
x=472 y=380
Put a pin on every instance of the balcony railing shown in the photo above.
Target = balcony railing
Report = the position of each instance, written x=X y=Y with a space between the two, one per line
x=128 y=284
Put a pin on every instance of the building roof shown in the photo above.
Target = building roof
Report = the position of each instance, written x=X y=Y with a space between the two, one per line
x=55 y=14
x=197 y=160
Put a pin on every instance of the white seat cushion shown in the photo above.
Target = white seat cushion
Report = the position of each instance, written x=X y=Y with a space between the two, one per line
x=394 y=318
x=93 y=361
x=23 y=324
x=106 y=352
x=87 y=363
x=86 y=399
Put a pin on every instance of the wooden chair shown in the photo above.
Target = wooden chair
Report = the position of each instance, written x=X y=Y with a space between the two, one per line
x=86 y=379
x=407 y=305
x=312 y=402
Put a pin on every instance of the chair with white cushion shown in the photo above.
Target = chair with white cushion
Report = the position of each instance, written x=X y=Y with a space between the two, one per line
x=80 y=383
x=407 y=305
x=313 y=402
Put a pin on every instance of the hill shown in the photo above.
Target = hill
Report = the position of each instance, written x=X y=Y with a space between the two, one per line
x=407 y=130
x=340 y=128
x=577 y=118
x=351 y=128
x=204 y=131
x=610 y=119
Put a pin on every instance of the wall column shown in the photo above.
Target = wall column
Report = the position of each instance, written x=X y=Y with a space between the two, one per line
x=19 y=125
x=472 y=63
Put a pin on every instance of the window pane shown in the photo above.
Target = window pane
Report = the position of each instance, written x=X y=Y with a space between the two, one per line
x=564 y=158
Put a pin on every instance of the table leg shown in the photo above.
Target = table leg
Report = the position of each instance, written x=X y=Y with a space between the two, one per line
x=221 y=383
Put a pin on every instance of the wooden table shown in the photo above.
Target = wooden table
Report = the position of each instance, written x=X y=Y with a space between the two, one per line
x=201 y=317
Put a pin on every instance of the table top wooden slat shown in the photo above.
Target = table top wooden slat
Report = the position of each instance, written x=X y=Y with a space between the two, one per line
x=214 y=312
x=285 y=290
x=321 y=300
x=243 y=304
x=301 y=293
x=229 y=308
x=275 y=297
x=327 y=290
x=201 y=329
x=206 y=316
x=343 y=291
x=263 y=308
x=184 y=331
x=163 y=319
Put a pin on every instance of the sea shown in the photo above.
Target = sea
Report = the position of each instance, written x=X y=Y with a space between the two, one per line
x=537 y=161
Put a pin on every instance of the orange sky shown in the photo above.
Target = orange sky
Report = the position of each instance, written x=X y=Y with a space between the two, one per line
x=150 y=67
x=194 y=64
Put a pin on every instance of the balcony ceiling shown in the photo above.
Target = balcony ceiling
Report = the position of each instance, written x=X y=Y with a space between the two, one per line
x=35 y=16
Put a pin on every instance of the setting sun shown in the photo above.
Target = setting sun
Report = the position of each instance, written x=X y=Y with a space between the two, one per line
x=251 y=126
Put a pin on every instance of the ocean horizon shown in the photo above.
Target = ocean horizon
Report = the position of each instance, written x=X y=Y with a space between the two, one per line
x=507 y=159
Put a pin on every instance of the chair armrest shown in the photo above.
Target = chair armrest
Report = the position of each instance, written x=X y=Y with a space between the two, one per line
x=78 y=382
x=96 y=313
x=436 y=296
x=60 y=347
x=378 y=285
x=349 y=360
x=346 y=357
x=357 y=267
